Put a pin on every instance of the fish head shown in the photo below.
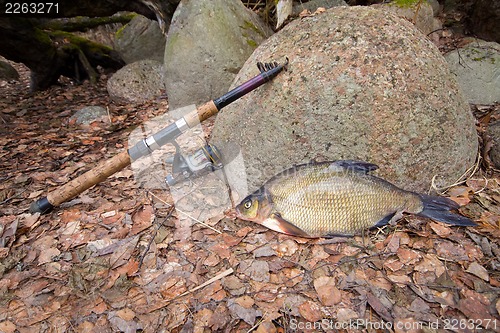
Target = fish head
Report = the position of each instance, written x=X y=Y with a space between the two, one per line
x=255 y=207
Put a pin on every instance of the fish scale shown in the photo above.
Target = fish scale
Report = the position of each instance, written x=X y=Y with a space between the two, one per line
x=337 y=198
x=316 y=198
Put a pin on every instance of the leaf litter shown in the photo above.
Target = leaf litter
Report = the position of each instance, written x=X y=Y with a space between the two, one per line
x=120 y=258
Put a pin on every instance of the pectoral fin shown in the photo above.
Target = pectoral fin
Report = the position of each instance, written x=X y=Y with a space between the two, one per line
x=277 y=223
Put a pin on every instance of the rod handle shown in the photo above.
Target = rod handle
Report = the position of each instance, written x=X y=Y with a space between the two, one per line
x=201 y=114
x=81 y=183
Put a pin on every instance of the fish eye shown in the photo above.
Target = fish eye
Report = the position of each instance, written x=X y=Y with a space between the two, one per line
x=247 y=204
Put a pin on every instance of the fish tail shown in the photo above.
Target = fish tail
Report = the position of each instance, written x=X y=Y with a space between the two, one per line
x=438 y=208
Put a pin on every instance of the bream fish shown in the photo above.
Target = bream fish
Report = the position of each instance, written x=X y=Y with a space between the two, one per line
x=338 y=198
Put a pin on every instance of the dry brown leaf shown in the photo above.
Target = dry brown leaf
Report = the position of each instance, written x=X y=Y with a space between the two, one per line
x=441 y=229
x=393 y=264
x=126 y=314
x=202 y=319
x=378 y=306
x=245 y=301
x=7 y=327
x=247 y=315
x=475 y=306
x=408 y=257
x=310 y=311
x=479 y=271
x=142 y=219
x=47 y=255
x=451 y=251
x=266 y=327
x=328 y=293
x=400 y=279
x=258 y=271
x=287 y=248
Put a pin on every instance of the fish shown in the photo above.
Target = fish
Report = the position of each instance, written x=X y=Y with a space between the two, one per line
x=338 y=198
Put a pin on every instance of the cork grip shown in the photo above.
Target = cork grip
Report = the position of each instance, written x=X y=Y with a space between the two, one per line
x=202 y=113
x=88 y=179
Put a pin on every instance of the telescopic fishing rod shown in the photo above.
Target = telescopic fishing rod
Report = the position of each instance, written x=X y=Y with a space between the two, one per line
x=153 y=142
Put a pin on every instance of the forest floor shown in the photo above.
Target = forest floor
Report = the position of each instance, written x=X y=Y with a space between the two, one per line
x=119 y=258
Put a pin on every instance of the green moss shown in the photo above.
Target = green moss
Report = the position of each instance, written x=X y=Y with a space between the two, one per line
x=405 y=3
x=252 y=43
x=119 y=32
x=42 y=36
x=251 y=26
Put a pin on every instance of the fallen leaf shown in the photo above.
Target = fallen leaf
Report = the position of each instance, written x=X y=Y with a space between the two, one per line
x=7 y=327
x=479 y=271
x=287 y=248
x=440 y=229
x=328 y=293
x=126 y=314
x=47 y=255
x=202 y=319
x=245 y=301
x=142 y=219
x=310 y=311
x=259 y=271
x=401 y=279
x=266 y=327
x=247 y=315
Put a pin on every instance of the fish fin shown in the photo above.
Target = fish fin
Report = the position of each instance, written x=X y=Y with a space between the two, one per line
x=335 y=235
x=277 y=223
x=438 y=208
x=438 y=203
x=353 y=165
x=386 y=220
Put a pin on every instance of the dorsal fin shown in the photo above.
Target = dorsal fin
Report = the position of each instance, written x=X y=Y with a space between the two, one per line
x=353 y=165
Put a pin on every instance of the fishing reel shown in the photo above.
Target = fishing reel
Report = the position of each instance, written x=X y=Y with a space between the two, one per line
x=184 y=166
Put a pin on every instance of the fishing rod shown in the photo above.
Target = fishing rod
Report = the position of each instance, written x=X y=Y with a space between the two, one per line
x=153 y=142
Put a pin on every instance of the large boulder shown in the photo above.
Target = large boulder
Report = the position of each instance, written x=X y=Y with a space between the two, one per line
x=420 y=13
x=362 y=84
x=207 y=43
x=137 y=82
x=477 y=67
x=140 y=39
x=7 y=72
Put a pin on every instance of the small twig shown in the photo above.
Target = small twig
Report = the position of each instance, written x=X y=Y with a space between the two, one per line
x=157 y=227
x=187 y=215
x=258 y=323
x=12 y=197
x=109 y=115
x=416 y=11
x=206 y=283
x=464 y=177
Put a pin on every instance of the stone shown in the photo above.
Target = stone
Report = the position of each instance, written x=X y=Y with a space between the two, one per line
x=89 y=114
x=7 y=72
x=493 y=132
x=140 y=39
x=137 y=82
x=207 y=43
x=361 y=84
x=312 y=5
x=477 y=68
x=423 y=17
